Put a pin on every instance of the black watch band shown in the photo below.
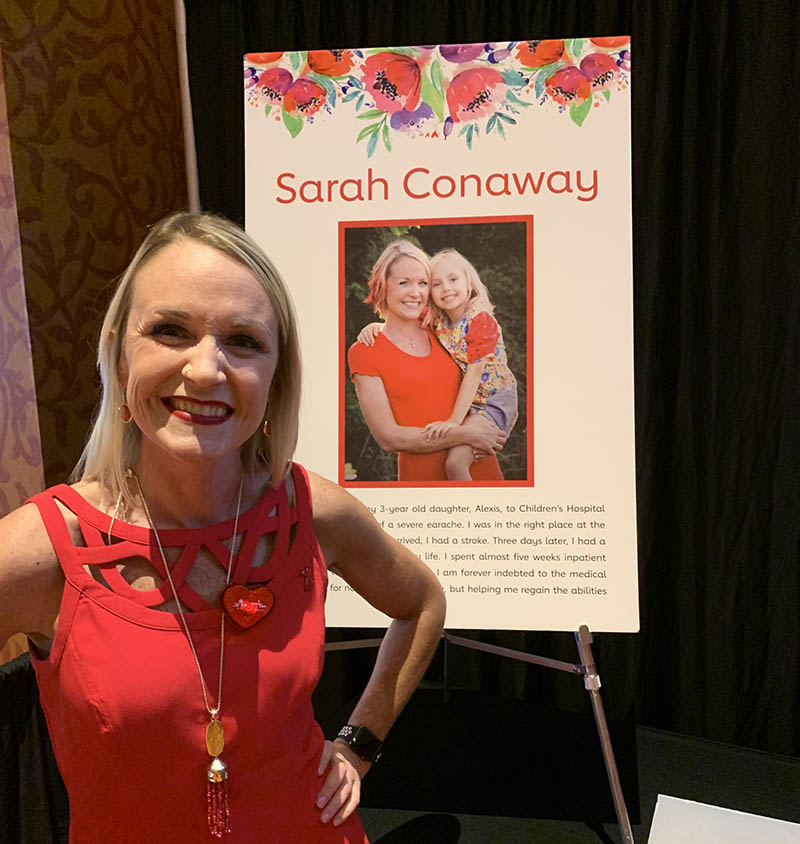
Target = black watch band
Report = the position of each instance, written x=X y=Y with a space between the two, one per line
x=361 y=741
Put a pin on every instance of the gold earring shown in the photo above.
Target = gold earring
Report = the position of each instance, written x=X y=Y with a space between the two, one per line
x=267 y=428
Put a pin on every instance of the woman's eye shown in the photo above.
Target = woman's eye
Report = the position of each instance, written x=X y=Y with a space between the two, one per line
x=245 y=341
x=168 y=329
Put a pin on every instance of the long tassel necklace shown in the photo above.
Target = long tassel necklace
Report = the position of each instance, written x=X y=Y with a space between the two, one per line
x=218 y=811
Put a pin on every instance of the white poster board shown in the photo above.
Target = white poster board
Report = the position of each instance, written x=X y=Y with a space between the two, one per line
x=517 y=155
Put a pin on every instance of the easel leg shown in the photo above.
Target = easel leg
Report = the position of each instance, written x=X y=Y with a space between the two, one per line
x=591 y=680
x=446 y=671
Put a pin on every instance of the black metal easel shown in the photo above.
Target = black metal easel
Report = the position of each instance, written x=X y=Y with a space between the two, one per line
x=586 y=668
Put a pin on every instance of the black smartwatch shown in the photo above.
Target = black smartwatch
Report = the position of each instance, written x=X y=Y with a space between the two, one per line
x=361 y=741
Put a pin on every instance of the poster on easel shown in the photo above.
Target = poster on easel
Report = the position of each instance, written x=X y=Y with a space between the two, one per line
x=464 y=210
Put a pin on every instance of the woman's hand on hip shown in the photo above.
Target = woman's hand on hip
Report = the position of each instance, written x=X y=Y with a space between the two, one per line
x=341 y=790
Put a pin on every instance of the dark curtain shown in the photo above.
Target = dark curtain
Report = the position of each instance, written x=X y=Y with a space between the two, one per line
x=717 y=311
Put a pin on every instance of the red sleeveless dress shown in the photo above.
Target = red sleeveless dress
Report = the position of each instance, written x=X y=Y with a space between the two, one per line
x=122 y=696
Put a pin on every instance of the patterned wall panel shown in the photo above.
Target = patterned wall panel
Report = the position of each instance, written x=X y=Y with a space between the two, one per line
x=96 y=142
x=21 y=472
x=20 y=452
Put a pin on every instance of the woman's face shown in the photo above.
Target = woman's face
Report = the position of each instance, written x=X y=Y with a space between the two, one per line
x=450 y=289
x=199 y=352
x=406 y=288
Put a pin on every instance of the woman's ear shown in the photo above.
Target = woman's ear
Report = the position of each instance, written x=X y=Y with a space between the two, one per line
x=122 y=363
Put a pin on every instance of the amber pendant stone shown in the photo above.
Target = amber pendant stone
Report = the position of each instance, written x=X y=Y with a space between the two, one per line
x=215 y=738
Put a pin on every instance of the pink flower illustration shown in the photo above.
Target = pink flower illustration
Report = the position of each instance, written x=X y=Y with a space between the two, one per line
x=393 y=80
x=475 y=92
x=274 y=83
x=600 y=69
x=305 y=96
x=568 y=86
x=540 y=53
x=331 y=62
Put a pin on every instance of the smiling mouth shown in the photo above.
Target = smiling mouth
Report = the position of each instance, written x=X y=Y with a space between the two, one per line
x=198 y=412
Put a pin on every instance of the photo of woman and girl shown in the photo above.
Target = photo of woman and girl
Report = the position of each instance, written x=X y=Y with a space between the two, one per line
x=432 y=380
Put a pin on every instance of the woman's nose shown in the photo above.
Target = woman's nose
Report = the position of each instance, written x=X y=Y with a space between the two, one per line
x=206 y=363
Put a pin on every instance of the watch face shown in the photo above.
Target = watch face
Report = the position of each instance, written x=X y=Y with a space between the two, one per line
x=361 y=741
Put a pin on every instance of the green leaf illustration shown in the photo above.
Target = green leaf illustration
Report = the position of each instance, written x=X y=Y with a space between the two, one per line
x=267 y=110
x=505 y=117
x=360 y=100
x=464 y=128
x=578 y=112
x=387 y=140
x=325 y=82
x=351 y=95
x=491 y=124
x=293 y=124
x=297 y=59
x=371 y=114
x=501 y=130
x=470 y=135
x=607 y=95
x=513 y=98
x=368 y=130
x=355 y=82
x=541 y=78
x=432 y=96
x=577 y=47
x=436 y=78
x=371 y=144
x=514 y=78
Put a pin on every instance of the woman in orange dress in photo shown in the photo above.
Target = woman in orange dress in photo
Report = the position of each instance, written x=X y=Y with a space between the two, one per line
x=407 y=380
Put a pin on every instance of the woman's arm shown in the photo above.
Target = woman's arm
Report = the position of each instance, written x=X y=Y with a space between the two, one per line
x=393 y=437
x=31 y=581
x=397 y=583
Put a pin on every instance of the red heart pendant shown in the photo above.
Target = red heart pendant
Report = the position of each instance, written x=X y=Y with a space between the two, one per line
x=244 y=606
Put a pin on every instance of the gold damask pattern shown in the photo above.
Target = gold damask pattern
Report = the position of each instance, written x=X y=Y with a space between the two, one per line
x=21 y=472
x=96 y=142
x=20 y=453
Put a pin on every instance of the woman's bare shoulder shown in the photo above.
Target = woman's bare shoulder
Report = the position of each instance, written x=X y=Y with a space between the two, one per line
x=329 y=501
x=23 y=535
x=31 y=580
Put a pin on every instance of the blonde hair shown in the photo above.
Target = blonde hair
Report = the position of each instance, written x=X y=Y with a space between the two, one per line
x=380 y=270
x=478 y=294
x=113 y=446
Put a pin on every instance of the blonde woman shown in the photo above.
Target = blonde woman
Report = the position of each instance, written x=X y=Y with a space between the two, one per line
x=173 y=595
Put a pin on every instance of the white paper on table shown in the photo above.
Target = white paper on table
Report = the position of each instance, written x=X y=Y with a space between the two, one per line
x=679 y=821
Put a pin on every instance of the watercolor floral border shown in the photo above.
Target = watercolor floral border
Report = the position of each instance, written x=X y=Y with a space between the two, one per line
x=434 y=91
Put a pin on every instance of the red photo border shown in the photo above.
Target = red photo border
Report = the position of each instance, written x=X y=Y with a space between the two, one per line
x=439 y=221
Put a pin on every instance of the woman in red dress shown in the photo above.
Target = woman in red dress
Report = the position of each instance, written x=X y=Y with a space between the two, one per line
x=407 y=380
x=173 y=595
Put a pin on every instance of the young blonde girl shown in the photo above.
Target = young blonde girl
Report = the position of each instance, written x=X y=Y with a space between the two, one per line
x=461 y=315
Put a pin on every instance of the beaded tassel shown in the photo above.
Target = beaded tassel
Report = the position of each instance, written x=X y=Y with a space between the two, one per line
x=219 y=812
